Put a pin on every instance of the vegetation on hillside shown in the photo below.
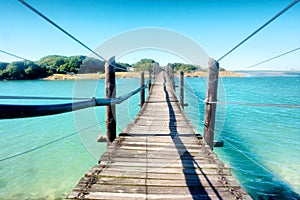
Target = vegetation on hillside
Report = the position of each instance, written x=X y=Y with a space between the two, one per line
x=184 y=67
x=190 y=68
x=22 y=70
x=144 y=64
x=56 y=64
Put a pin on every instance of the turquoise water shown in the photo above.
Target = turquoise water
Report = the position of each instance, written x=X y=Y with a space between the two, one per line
x=51 y=171
x=262 y=144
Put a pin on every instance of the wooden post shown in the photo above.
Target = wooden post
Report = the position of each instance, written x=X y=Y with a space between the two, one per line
x=211 y=98
x=154 y=71
x=149 y=82
x=170 y=73
x=142 y=96
x=181 y=91
x=172 y=77
x=110 y=88
x=167 y=70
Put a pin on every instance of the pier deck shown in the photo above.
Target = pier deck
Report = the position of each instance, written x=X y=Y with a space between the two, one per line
x=159 y=156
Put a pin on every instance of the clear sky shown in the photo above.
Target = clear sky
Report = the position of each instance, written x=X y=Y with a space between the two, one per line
x=215 y=25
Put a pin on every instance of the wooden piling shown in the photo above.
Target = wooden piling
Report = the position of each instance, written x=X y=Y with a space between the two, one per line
x=211 y=96
x=149 y=82
x=172 y=77
x=168 y=70
x=110 y=89
x=142 y=93
x=154 y=71
x=181 y=90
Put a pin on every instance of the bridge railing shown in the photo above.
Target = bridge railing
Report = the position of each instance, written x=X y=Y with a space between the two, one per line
x=10 y=111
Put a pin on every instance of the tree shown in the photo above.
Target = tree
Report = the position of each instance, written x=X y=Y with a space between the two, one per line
x=73 y=64
x=222 y=69
x=22 y=70
x=91 y=65
x=46 y=66
x=3 y=75
x=16 y=70
x=184 y=67
x=52 y=63
x=3 y=65
x=144 y=64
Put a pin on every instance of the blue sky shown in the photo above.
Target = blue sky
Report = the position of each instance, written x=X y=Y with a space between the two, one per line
x=215 y=25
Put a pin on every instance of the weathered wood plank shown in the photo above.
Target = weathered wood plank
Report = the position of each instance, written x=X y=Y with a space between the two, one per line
x=185 y=164
x=160 y=160
x=206 y=171
x=163 y=190
x=202 y=182
x=209 y=159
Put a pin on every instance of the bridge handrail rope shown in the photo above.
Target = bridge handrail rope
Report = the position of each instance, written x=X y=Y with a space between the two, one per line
x=269 y=59
x=9 y=111
x=260 y=28
x=124 y=97
x=120 y=98
x=13 y=55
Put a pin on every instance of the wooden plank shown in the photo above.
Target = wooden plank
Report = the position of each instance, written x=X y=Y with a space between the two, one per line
x=203 y=182
x=194 y=145
x=117 y=155
x=121 y=196
x=159 y=176
x=160 y=160
x=157 y=139
x=162 y=170
x=226 y=191
x=184 y=164
x=131 y=153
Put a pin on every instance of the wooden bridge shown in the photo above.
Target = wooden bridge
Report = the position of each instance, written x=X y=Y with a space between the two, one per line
x=159 y=156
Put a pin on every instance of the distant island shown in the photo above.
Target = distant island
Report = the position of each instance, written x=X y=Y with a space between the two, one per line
x=55 y=67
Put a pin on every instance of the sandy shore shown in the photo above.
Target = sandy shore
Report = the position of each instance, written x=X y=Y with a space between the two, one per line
x=221 y=74
x=131 y=75
x=91 y=76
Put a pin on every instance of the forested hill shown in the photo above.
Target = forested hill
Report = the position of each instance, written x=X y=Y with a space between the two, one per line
x=56 y=64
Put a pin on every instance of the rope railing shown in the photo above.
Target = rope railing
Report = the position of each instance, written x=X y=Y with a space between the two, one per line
x=260 y=28
x=64 y=31
x=10 y=111
x=124 y=97
x=13 y=55
x=270 y=59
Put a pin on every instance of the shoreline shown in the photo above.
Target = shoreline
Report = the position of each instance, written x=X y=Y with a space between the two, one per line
x=221 y=74
x=133 y=75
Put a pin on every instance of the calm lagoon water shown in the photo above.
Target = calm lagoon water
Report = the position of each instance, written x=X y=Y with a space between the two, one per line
x=262 y=144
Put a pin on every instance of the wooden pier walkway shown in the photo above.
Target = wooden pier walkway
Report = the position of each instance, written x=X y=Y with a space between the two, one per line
x=159 y=156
